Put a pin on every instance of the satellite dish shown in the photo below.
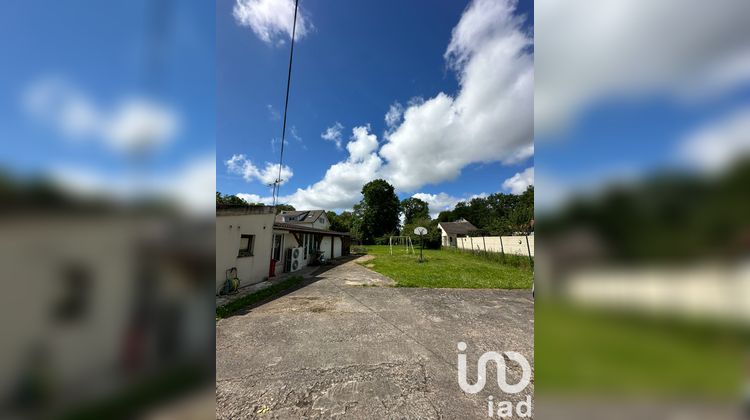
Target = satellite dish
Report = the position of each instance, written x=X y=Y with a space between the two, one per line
x=420 y=231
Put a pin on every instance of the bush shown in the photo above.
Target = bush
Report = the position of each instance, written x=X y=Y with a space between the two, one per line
x=358 y=249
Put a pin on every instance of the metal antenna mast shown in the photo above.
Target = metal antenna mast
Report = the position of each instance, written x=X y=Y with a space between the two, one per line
x=277 y=182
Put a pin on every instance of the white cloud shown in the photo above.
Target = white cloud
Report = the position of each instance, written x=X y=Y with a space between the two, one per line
x=139 y=125
x=362 y=143
x=719 y=144
x=394 y=114
x=442 y=201
x=333 y=133
x=273 y=114
x=134 y=125
x=342 y=183
x=191 y=186
x=295 y=135
x=271 y=20
x=255 y=198
x=589 y=51
x=239 y=164
x=518 y=183
x=489 y=120
x=194 y=186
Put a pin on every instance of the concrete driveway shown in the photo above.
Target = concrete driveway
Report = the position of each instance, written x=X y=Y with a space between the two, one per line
x=350 y=346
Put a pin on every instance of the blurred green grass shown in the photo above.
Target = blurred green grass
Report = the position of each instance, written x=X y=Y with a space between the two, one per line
x=596 y=352
x=450 y=269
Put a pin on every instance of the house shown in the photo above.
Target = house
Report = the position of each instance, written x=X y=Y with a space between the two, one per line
x=243 y=241
x=260 y=244
x=315 y=219
x=449 y=231
x=108 y=299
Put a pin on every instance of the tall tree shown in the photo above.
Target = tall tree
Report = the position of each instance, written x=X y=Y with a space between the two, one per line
x=284 y=207
x=340 y=222
x=379 y=210
x=230 y=199
x=496 y=214
x=413 y=209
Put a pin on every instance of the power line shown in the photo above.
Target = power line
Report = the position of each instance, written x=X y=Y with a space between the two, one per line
x=277 y=183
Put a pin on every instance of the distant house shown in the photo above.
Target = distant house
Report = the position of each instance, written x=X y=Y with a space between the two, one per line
x=259 y=244
x=311 y=218
x=449 y=231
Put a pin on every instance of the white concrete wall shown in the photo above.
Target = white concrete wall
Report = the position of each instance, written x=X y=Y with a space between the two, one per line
x=515 y=245
x=325 y=247
x=229 y=229
x=336 y=247
x=698 y=291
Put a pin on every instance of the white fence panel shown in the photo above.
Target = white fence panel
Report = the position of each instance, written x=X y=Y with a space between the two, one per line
x=516 y=245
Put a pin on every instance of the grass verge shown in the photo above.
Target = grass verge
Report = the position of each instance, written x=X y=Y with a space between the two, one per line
x=224 y=311
x=448 y=269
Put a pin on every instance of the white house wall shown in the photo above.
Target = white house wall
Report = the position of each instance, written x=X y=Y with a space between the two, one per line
x=325 y=247
x=252 y=269
x=336 y=247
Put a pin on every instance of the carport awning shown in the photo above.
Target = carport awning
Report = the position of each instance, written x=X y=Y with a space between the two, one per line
x=297 y=228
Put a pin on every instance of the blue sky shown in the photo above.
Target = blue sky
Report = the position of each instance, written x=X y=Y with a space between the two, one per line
x=80 y=90
x=355 y=60
x=637 y=99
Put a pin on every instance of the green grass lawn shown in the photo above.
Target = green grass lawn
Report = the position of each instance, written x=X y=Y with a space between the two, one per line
x=450 y=269
x=594 y=352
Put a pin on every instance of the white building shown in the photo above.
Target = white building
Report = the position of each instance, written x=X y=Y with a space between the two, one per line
x=243 y=242
x=450 y=231
x=259 y=245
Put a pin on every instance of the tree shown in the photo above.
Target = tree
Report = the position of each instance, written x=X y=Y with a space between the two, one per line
x=496 y=214
x=413 y=209
x=431 y=239
x=340 y=222
x=377 y=213
x=230 y=200
x=446 y=216
x=284 y=207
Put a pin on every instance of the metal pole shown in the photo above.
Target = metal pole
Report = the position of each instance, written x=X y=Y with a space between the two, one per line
x=528 y=248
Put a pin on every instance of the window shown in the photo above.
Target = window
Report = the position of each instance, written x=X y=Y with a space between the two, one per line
x=308 y=243
x=74 y=303
x=311 y=244
x=277 y=246
x=246 y=245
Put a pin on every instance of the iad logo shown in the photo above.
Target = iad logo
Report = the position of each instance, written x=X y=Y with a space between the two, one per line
x=504 y=408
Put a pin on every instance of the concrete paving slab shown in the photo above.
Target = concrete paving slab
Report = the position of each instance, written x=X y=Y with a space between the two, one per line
x=338 y=349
